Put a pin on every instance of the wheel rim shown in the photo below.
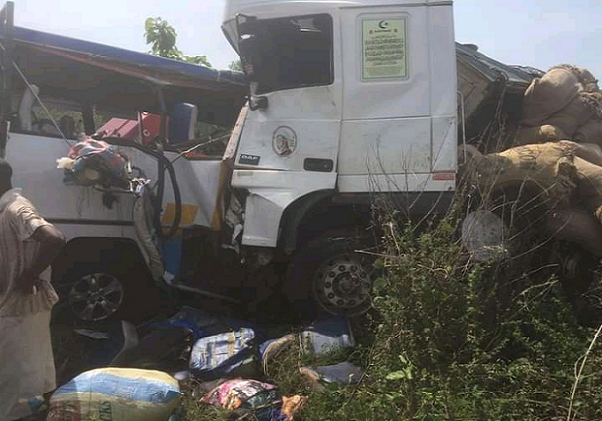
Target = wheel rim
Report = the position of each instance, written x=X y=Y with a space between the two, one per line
x=342 y=285
x=576 y=266
x=96 y=297
x=484 y=235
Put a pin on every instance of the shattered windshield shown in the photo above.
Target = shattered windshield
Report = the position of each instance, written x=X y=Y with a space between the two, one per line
x=287 y=53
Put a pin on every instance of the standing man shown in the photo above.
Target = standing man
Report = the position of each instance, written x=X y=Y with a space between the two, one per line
x=28 y=246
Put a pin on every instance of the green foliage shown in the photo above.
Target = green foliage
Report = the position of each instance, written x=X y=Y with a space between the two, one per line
x=162 y=38
x=236 y=65
x=458 y=341
x=203 y=60
x=449 y=339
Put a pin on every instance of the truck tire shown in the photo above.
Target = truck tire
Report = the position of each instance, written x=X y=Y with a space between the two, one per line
x=328 y=275
x=579 y=275
x=532 y=244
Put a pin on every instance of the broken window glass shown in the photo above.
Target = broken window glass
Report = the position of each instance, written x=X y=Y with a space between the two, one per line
x=287 y=53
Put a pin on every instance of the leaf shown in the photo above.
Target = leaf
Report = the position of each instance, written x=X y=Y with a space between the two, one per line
x=396 y=375
x=236 y=65
x=149 y=24
x=379 y=264
x=162 y=37
x=380 y=284
x=198 y=60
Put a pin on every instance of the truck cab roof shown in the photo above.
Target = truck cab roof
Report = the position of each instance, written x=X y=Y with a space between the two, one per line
x=247 y=6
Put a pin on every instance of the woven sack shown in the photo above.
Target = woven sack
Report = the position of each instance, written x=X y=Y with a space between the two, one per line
x=574 y=115
x=539 y=134
x=548 y=95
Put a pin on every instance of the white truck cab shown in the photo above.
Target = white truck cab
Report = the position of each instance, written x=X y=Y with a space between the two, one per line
x=347 y=97
x=348 y=100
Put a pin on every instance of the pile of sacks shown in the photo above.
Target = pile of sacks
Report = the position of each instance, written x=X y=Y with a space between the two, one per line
x=564 y=104
x=564 y=175
x=117 y=394
x=558 y=151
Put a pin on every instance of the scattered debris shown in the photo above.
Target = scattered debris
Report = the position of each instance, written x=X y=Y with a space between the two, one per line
x=224 y=355
x=272 y=348
x=182 y=375
x=92 y=162
x=220 y=354
x=92 y=334
x=343 y=373
x=262 y=400
x=292 y=404
x=326 y=336
x=239 y=394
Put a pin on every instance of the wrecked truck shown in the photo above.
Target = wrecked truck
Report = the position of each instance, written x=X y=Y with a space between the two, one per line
x=539 y=183
x=340 y=104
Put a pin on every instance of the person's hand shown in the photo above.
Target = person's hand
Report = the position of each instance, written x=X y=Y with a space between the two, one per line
x=27 y=283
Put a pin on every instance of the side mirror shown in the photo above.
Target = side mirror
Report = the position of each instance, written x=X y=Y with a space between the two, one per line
x=249 y=58
x=258 y=103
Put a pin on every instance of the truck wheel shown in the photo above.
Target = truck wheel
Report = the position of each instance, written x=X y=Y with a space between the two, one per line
x=329 y=275
x=579 y=275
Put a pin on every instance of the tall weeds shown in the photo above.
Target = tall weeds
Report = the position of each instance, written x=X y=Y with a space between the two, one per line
x=451 y=339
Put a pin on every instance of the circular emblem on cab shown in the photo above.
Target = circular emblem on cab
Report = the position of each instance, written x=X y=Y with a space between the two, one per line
x=284 y=141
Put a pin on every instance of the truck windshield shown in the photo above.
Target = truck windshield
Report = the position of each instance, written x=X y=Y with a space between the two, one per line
x=287 y=53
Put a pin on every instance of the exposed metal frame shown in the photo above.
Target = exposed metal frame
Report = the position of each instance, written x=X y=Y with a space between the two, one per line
x=7 y=45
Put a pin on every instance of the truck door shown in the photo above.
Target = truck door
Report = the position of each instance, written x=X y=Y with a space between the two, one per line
x=291 y=64
x=395 y=90
x=289 y=143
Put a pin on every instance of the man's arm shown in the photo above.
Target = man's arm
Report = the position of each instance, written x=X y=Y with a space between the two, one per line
x=51 y=243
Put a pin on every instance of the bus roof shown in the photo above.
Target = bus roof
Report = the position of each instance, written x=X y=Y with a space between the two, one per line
x=115 y=78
